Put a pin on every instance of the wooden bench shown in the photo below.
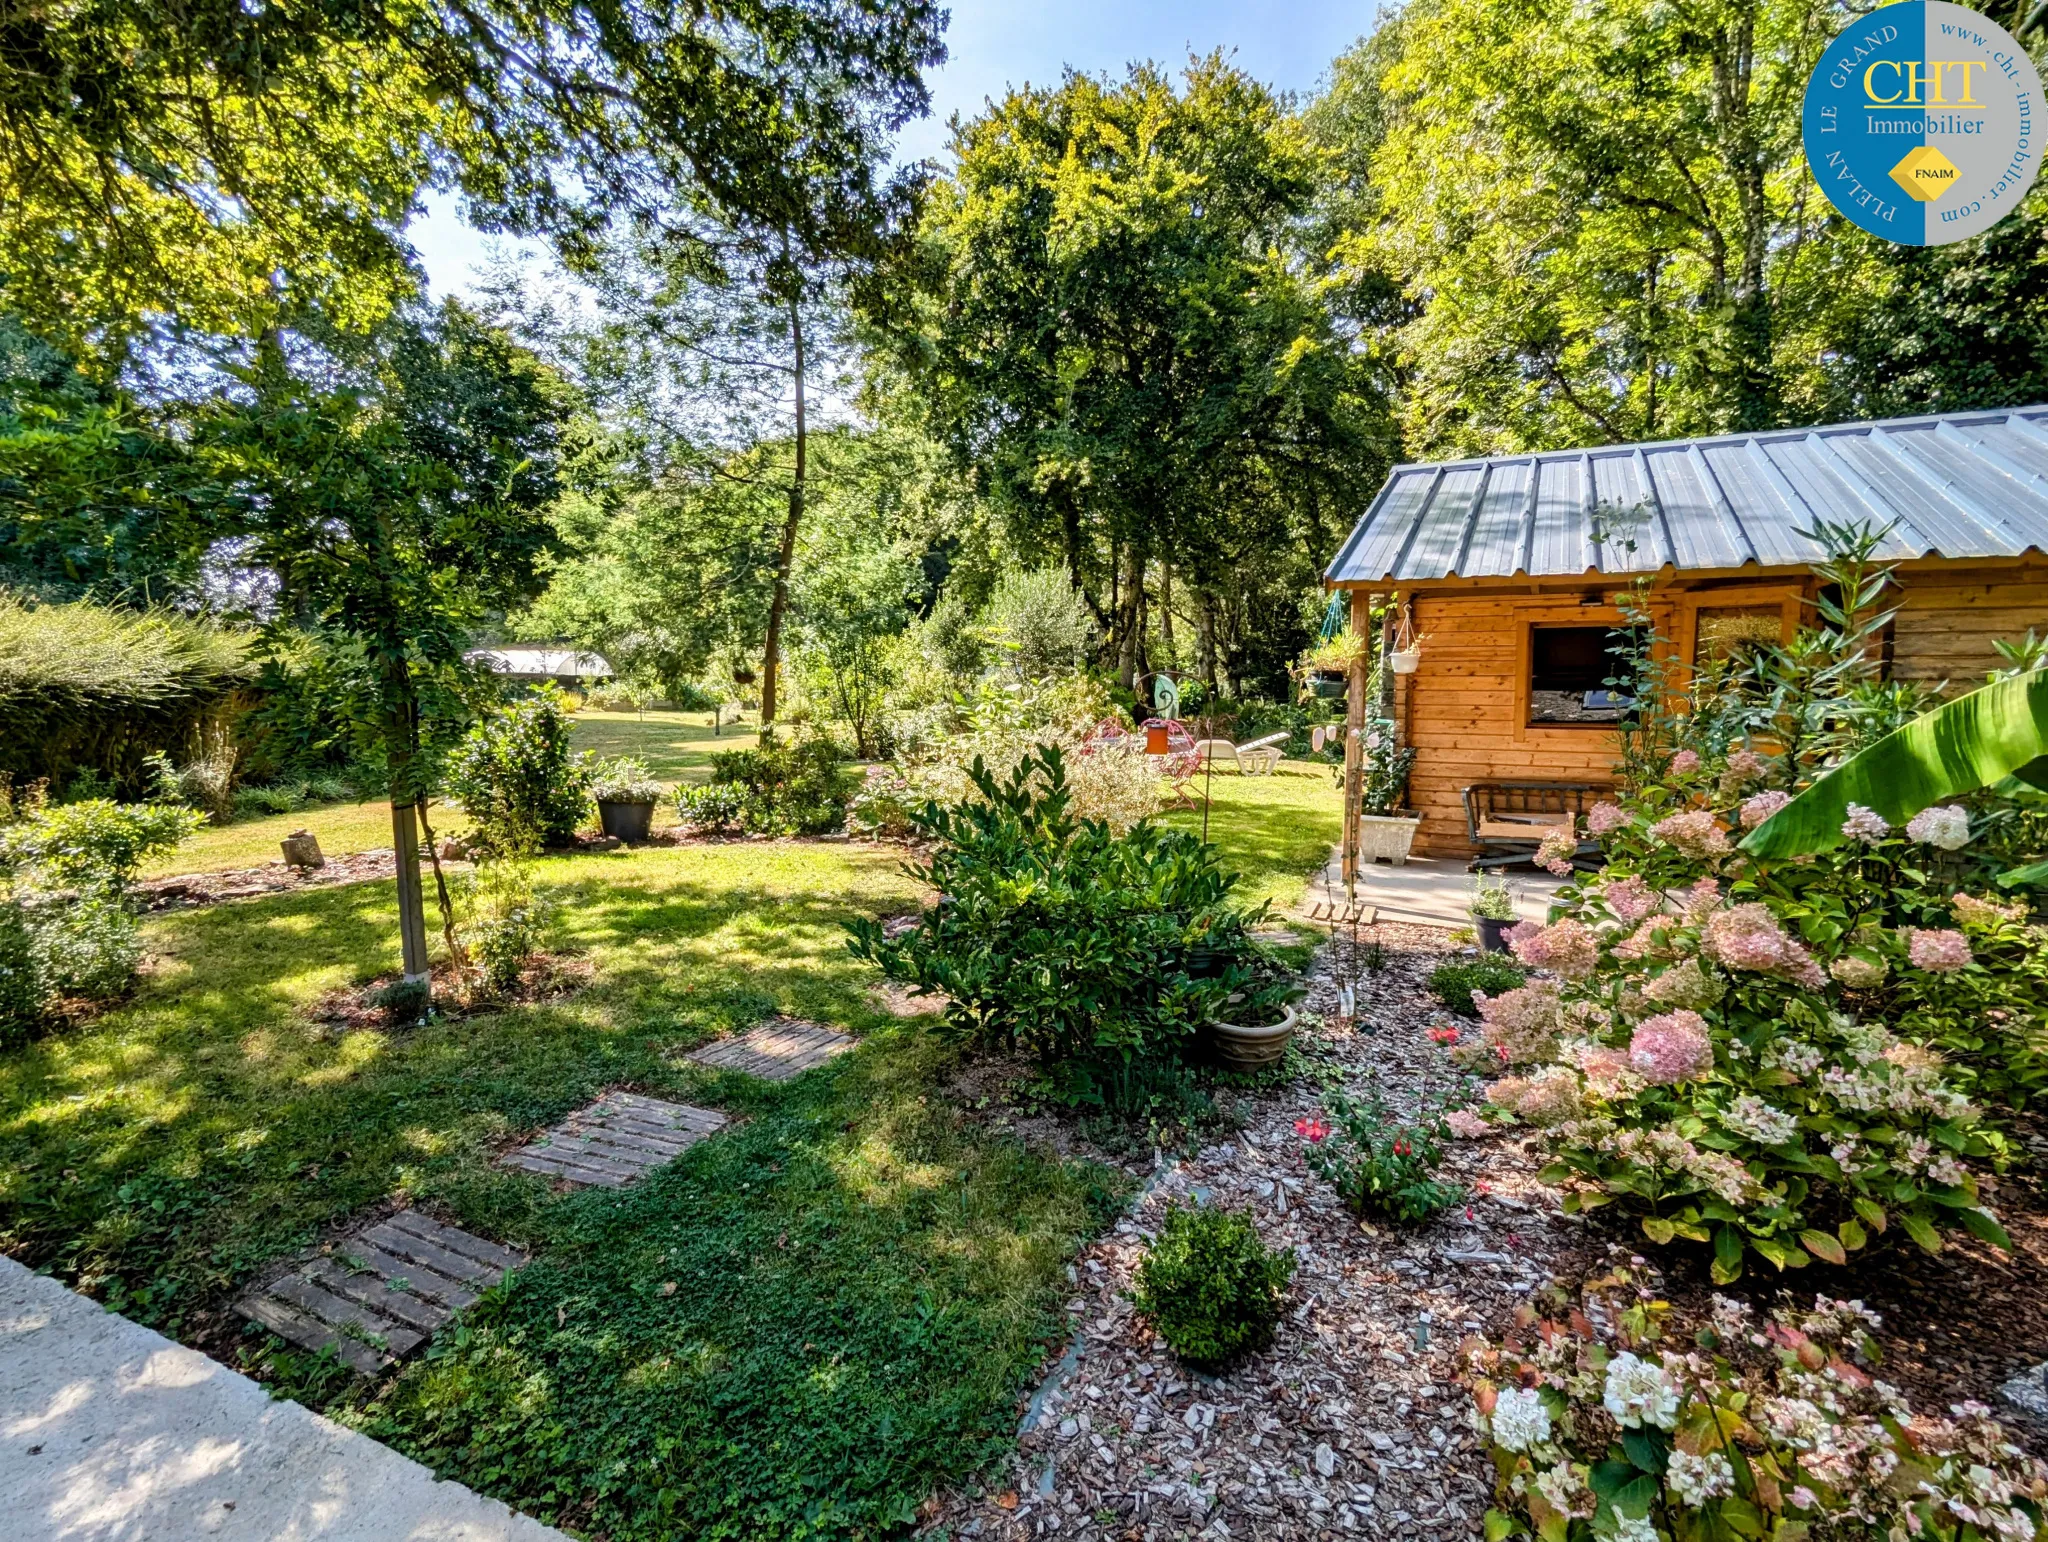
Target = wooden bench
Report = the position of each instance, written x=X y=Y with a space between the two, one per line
x=1508 y=820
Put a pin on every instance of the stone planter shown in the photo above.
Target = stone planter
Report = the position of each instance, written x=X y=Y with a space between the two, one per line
x=1493 y=934
x=1388 y=836
x=628 y=822
x=1244 y=1048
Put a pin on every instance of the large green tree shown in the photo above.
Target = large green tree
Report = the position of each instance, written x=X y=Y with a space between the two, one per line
x=398 y=487
x=1605 y=230
x=212 y=162
x=1109 y=316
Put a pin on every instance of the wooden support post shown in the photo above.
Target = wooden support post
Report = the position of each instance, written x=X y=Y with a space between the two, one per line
x=412 y=908
x=1354 y=749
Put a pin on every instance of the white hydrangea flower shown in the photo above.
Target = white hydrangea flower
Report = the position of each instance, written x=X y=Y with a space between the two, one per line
x=1635 y=1528
x=1948 y=828
x=1696 y=1479
x=1639 y=1393
x=1520 y=1420
x=1750 y=1115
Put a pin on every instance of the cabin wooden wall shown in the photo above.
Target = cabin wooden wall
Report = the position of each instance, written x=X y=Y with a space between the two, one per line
x=1948 y=621
x=1463 y=709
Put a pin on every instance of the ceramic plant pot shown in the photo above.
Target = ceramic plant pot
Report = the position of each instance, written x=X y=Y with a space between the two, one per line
x=627 y=822
x=1386 y=836
x=1405 y=662
x=1242 y=1048
x=1493 y=934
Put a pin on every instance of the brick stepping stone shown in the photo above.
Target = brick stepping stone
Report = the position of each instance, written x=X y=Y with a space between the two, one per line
x=618 y=1138
x=382 y=1292
x=778 y=1050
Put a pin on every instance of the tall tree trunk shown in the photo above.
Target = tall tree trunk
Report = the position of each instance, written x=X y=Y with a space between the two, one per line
x=1205 y=639
x=1166 y=612
x=778 y=605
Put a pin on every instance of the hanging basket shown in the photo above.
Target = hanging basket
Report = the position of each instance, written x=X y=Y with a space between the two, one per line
x=1406 y=662
x=1327 y=687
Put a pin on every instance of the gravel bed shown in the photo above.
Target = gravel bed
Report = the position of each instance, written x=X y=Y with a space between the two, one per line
x=1352 y=1422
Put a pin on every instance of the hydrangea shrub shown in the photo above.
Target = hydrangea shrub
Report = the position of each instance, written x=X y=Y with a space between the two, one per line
x=1603 y=1422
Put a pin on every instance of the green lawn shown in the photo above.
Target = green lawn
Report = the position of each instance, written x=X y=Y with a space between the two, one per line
x=1275 y=830
x=863 y=1279
x=677 y=747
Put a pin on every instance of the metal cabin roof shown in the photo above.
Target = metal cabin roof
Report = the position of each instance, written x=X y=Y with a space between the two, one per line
x=1961 y=484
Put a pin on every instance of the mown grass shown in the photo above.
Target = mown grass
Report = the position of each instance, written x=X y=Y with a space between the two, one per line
x=862 y=1280
x=1275 y=831
x=677 y=747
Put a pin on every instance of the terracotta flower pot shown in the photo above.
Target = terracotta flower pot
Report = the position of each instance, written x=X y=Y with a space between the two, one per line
x=1243 y=1048
x=1156 y=740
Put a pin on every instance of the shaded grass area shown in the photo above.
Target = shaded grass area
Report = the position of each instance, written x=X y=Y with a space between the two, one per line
x=862 y=1280
x=1275 y=830
x=797 y=1330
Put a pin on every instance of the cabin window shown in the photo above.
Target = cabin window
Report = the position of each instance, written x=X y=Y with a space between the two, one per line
x=1733 y=632
x=1570 y=670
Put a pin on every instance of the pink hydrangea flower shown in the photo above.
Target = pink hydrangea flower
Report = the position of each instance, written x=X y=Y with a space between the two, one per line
x=1760 y=806
x=1940 y=952
x=1524 y=1021
x=1972 y=911
x=1948 y=828
x=1702 y=897
x=1857 y=973
x=1606 y=1070
x=1865 y=825
x=1605 y=819
x=1685 y=762
x=1467 y=1125
x=1694 y=833
x=1748 y=937
x=1631 y=899
x=1671 y=1047
x=1746 y=766
x=1568 y=948
x=1556 y=850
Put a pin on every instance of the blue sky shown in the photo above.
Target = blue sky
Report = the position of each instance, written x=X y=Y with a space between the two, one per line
x=996 y=43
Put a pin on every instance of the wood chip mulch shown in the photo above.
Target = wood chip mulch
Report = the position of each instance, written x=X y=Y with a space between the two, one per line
x=1354 y=1422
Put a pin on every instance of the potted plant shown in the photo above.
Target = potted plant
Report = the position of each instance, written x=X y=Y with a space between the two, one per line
x=1385 y=828
x=1252 y=1025
x=1329 y=663
x=626 y=793
x=1493 y=911
x=1404 y=648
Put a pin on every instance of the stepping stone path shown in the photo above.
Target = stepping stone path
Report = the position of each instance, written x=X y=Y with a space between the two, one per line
x=380 y=1293
x=620 y=1137
x=780 y=1049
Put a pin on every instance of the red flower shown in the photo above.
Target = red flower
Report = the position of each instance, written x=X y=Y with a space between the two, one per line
x=1400 y=1148
x=1444 y=1035
x=1501 y=1053
x=1311 y=1130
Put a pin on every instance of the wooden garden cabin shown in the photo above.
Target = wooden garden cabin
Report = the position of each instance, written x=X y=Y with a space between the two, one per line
x=1509 y=568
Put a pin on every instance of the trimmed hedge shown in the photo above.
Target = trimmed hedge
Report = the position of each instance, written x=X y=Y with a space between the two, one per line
x=85 y=686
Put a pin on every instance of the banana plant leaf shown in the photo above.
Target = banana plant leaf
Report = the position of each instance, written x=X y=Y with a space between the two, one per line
x=1974 y=741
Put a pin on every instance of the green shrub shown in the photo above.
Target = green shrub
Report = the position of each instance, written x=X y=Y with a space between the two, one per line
x=800 y=788
x=1210 y=1286
x=1060 y=938
x=623 y=780
x=403 y=1001
x=98 y=844
x=66 y=928
x=1379 y=1165
x=507 y=923
x=717 y=808
x=517 y=779
x=1454 y=983
x=271 y=798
